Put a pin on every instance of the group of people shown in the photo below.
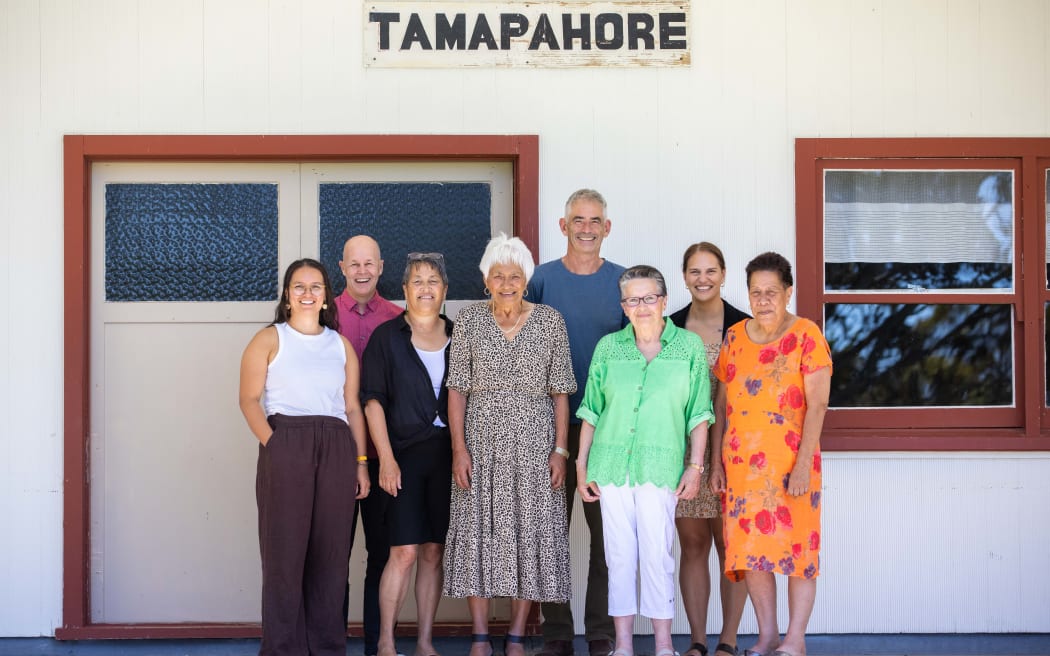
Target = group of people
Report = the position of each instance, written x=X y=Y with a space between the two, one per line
x=568 y=379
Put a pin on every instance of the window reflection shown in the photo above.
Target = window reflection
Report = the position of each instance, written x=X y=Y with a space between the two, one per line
x=899 y=354
x=918 y=229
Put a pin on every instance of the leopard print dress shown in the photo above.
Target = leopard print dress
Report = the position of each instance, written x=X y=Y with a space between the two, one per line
x=508 y=533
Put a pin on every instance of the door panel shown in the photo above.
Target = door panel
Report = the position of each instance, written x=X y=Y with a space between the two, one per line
x=172 y=509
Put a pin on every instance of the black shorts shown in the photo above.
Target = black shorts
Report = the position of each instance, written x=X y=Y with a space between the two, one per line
x=419 y=513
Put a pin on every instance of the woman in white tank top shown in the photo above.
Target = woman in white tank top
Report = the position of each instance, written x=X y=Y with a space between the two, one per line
x=299 y=395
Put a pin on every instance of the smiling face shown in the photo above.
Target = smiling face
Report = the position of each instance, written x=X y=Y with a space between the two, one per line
x=424 y=291
x=507 y=283
x=643 y=313
x=586 y=226
x=704 y=276
x=362 y=267
x=306 y=291
x=769 y=297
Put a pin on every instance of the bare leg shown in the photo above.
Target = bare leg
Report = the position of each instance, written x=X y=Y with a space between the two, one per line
x=732 y=593
x=519 y=615
x=624 y=625
x=762 y=588
x=662 y=634
x=428 y=592
x=479 y=618
x=393 y=587
x=801 y=595
x=694 y=577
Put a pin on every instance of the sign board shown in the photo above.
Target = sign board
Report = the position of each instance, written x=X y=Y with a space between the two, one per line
x=536 y=34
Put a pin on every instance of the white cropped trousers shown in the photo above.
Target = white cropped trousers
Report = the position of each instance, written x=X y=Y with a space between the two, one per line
x=638 y=522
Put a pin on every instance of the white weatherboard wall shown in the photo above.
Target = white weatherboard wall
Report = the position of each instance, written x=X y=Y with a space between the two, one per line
x=913 y=542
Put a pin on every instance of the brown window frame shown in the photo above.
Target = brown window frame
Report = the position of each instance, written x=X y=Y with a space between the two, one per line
x=1023 y=427
x=79 y=153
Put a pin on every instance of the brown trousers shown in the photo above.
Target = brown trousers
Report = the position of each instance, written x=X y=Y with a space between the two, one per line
x=305 y=485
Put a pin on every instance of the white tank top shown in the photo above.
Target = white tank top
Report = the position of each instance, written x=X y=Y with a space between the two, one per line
x=434 y=361
x=307 y=375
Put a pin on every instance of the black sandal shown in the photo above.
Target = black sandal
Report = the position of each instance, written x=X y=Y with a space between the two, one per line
x=729 y=649
x=481 y=637
x=512 y=639
x=697 y=646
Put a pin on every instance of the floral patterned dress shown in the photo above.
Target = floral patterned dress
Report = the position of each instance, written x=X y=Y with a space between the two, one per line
x=765 y=528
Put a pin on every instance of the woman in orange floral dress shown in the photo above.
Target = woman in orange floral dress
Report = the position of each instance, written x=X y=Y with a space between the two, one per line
x=775 y=378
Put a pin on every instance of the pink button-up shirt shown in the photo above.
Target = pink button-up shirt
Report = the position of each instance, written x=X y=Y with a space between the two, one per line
x=357 y=327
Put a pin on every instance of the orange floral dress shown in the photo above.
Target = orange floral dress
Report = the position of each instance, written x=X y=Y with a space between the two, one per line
x=766 y=529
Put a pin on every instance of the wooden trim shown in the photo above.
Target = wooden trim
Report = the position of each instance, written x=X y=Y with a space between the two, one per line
x=253 y=630
x=891 y=439
x=76 y=281
x=527 y=195
x=1041 y=293
x=80 y=151
x=809 y=242
x=935 y=428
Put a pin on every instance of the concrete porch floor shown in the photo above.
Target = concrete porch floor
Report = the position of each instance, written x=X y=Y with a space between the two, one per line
x=819 y=645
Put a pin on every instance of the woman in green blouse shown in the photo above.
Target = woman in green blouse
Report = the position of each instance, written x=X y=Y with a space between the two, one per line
x=647 y=388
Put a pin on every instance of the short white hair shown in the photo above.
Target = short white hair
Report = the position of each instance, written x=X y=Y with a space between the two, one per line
x=502 y=249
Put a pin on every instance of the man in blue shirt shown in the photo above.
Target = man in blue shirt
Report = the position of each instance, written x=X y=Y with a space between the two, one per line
x=584 y=287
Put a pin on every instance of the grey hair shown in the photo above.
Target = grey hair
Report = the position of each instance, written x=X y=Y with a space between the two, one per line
x=502 y=249
x=643 y=272
x=434 y=260
x=585 y=194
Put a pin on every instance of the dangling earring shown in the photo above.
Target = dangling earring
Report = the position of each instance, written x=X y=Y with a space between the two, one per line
x=525 y=293
x=487 y=292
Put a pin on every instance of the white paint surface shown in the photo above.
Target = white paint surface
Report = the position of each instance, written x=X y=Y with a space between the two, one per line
x=914 y=543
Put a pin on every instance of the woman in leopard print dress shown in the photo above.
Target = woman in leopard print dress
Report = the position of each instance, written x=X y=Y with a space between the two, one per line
x=509 y=378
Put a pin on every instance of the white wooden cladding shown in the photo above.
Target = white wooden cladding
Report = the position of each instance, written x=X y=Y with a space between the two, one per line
x=682 y=154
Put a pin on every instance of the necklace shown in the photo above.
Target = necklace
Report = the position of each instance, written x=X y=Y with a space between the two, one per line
x=506 y=331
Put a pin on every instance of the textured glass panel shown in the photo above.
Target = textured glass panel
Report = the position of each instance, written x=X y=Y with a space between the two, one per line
x=895 y=230
x=191 y=242
x=452 y=218
x=920 y=355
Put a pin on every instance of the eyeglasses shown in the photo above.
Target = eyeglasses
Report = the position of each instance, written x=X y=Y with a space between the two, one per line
x=413 y=257
x=648 y=299
x=315 y=290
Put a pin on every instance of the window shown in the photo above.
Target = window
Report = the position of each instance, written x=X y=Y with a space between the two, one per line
x=911 y=254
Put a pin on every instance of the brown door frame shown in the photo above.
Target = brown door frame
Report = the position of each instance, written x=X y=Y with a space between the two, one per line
x=80 y=152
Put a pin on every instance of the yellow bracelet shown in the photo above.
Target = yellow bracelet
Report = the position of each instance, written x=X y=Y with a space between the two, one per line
x=362 y=458
x=699 y=468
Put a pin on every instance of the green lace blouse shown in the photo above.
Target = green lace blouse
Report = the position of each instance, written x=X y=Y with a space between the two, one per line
x=643 y=411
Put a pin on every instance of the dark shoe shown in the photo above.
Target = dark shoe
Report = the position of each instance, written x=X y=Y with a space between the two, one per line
x=559 y=648
x=600 y=647
x=511 y=639
x=726 y=649
x=698 y=647
x=476 y=638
